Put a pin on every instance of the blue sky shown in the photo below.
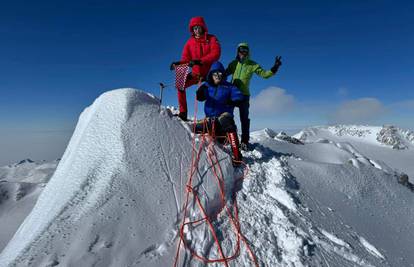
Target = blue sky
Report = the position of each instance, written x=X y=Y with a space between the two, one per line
x=58 y=56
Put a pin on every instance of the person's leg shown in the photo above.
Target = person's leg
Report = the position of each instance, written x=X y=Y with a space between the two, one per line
x=182 y=96
x=202 y=126
x=244 y=120
x=227 y=125
x=182 y=100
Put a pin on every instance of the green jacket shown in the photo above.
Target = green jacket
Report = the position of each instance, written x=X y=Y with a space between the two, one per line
x=242 y=72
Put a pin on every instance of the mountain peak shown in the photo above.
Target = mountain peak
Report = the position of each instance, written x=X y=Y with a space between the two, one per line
x=25 y=161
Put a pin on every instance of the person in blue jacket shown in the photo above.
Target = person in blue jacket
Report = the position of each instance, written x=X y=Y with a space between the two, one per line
x=220 y=98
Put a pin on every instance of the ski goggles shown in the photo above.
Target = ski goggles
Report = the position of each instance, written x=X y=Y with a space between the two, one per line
x=217 y=74
x=243 y=49
x=197 y=28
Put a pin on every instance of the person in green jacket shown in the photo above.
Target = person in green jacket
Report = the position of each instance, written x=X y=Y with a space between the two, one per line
x=242 y=70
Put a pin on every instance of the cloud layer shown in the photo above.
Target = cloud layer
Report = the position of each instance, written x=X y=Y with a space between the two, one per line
x=362 y=110
x=406 y=104
x=271 y=101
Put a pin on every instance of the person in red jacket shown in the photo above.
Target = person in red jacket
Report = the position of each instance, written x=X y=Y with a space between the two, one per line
x=200 y=51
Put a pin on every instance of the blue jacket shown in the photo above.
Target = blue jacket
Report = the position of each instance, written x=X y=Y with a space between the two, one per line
x=219 y=98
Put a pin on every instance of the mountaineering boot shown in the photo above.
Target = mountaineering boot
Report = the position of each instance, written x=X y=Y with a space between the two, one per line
x=234 y=143
x=245 y=146
x=245 y=136
x=183 y=116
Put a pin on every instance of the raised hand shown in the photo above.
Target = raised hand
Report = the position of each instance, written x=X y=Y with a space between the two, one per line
x=174 y=64
x=278 y=63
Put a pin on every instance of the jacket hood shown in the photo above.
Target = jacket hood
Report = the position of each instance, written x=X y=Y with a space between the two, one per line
x=216 y=66
x=197 y=21
x=243 y=44
x=237 y=50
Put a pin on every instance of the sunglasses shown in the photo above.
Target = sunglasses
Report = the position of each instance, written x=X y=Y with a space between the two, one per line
x=197 y=28
x=243 y=50
x=217 y=74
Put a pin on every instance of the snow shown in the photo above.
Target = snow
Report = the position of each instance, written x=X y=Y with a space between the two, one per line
x=367 y=140
x=116 y=197
x=20 y=186
x=371 y=249
x=28 y=171
x=335 y=239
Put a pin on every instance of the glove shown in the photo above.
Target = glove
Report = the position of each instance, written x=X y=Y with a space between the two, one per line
x=201 y=93
x=278 y=63
x=232 y=103
x=194 y=62
x=172 y=66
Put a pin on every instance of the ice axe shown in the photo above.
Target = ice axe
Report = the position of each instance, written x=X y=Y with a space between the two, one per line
x=162 y=86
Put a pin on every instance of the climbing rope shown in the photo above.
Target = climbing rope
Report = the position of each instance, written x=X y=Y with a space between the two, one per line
x=207 y=138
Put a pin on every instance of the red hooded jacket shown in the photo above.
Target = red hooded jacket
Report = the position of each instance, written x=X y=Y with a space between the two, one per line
x=206 y=48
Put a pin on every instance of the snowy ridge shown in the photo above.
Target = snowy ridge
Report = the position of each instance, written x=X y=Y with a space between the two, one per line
x=388 y=148
x=394 y=137
x=338 y=130
x=116 y=195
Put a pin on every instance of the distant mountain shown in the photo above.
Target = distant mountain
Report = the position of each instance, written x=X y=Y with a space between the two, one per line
x=387 y=135
x=20 y=186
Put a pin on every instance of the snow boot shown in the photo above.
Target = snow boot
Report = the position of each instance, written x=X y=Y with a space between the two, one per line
x=234 y=143
x=245 y=146
x=245 y=136
x=183 y=116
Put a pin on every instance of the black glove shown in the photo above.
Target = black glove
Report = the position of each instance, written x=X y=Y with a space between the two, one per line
x=194 y=62
x=232 y=103
x=172 y=66
x=278 y=63
x=201 y=93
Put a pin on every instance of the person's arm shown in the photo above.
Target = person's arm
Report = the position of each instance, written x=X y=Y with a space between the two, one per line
x=231 y=68
x=186 y=55
x=202 y=93
x=214 y=54
x=236 y=96
x=268 y=73
x=262 y=72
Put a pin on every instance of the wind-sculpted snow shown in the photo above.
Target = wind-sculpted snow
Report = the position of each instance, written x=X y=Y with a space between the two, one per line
x=116 y=196
x=266 y=206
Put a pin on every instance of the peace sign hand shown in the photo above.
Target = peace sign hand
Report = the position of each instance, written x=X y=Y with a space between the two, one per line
x=278 y=63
